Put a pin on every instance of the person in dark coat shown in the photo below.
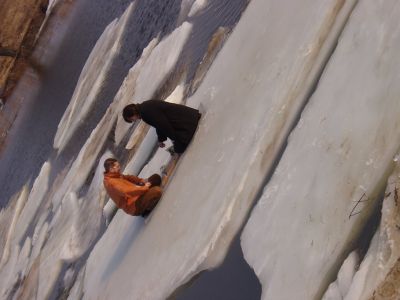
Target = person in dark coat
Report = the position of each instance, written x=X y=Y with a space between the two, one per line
x=174 y=121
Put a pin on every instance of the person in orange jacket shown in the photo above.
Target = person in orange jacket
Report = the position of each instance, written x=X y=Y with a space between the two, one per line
x=135 y=196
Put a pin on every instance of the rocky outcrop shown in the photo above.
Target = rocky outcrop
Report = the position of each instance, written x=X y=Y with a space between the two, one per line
x=19 y=22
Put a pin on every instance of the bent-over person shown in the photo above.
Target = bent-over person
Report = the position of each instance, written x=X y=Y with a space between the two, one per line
x=175 y=121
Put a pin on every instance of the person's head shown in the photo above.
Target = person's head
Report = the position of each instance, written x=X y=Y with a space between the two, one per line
x=131 y=113
x=111 y=165
x=155 y=180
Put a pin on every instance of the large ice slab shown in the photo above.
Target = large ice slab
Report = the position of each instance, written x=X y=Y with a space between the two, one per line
x=36 y=196
x=336 y=161
x=12 y=214
x=92 y=78
x=251 y=95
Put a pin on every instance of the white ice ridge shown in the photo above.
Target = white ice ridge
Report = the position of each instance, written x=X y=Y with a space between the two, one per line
x=80 y=169
x=152 y=70
x=338 y=289
x=197 y=6
x=337 y=158
x=36 y=196
x=186 y=5
x=21 y=200
x=71 y=232
x=25 y=210
x=251 y=94
x=92 y=78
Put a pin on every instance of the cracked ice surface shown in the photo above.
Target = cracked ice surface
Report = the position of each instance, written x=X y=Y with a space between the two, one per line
x=342 y=148
x=249 y=104
x=92 y=78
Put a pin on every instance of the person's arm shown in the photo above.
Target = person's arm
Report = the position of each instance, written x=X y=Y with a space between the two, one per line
x=133 y=206
x=139 y=190
x=134 y=179
x=161 y=137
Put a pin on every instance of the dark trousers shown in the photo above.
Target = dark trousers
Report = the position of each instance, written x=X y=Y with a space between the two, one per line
x=148 y=201
x=180 y=146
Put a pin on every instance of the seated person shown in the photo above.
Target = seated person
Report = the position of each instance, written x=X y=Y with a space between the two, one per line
x=135 y=196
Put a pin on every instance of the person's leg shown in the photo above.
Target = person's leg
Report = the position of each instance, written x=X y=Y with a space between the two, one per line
x=149 y=200
x=179 y=147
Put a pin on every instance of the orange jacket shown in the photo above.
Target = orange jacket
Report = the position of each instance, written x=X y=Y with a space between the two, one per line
x=124 y=191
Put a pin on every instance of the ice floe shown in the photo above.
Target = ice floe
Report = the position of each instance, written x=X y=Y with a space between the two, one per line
x=327 y=183
x=92 y=78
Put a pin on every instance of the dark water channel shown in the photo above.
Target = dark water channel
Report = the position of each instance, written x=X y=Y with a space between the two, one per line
x=30 y=140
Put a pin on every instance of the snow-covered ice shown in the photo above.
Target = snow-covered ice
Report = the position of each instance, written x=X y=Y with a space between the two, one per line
x=20 y=202
x=339 y=288
x=36 y=196
x=74 y=228
x=327 y=182
x=92 y=78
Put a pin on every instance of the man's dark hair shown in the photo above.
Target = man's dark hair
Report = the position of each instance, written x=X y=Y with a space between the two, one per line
x=155 y=180
x=129 y=111
x=108 y=163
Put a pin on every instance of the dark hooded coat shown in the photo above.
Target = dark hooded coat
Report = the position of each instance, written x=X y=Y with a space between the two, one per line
x=174 y=121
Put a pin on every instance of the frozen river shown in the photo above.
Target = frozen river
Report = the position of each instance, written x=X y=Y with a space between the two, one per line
x=288 y=190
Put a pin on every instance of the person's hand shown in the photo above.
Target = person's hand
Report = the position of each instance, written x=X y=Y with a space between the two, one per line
x=161 y=144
